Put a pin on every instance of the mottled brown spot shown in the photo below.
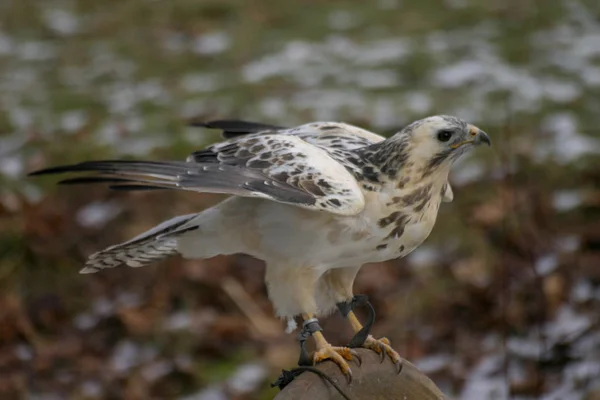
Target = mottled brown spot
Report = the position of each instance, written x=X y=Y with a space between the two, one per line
x=419 y=207
x=435 y=162
x=281 y=176
x=288 y=157
x=324 y=184
x=401 y=248
x=395 y=200
x=416 y=195
x=401 y=220
x=243 y=153
x=402 y=182
x=383 y=222
x=266 y=155
x=334 y=202
x=382 y=246
x=311 y=187
x=259 y=164
x=328 y=127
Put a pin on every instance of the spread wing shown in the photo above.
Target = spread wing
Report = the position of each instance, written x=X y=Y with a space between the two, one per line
x=278 y=167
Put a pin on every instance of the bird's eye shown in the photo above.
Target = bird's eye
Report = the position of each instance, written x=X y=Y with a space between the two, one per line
x=444 y=136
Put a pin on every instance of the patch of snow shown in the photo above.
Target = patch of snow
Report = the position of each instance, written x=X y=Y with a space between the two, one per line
x=6 y=44
x=156 y=370
x=11 y=166
x=97 y=214
x=568 y=244
x=582 y=291
x=423 y=255
x=566 y=322
x=129 y=299
x=546 y=264
x=376 y=79
x=24 y=352
x=85 y=321
x=527 y=348
x=36 y=51
x=567 y=144
x=103 y=307
x=247 y=378
x=126 y=355
x=91 y=389
x=210 y=393
x=434 y=363
x=211 y=43
x=20 y=118
x=61 y=21
x=178 y=321
x=73 y=121
x=566 y=200
x=484 y=381
x=418 y=102
x=200 y=83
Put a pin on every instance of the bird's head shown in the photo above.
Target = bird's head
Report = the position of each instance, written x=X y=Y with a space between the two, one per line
x=437 y=141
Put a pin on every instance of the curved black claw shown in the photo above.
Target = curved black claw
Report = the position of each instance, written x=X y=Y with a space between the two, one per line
x=356 y=356
x=382 y=355
x=382 y=347
x=398 y=364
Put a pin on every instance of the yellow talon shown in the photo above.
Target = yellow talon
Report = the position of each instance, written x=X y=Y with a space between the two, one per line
x=339 y=355
x=383 y=345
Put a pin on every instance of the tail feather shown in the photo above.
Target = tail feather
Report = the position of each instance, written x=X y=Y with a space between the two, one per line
x=154 y=245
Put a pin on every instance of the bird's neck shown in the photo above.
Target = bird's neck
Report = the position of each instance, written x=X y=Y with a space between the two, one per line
x=388 y=156
x=397 y=162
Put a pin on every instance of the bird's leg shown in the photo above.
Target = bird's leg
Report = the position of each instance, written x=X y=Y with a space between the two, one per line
x=324 y=350
x=362 y=338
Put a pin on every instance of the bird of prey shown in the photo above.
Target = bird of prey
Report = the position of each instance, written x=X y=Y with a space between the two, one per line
x=315 y=202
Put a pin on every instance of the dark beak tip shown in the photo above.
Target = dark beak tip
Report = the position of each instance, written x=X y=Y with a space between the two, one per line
x=484 y=138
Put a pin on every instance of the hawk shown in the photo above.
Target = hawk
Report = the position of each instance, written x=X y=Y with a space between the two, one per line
x=315 y=202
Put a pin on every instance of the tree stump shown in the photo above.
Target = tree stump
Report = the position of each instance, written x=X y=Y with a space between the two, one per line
x=373 y=380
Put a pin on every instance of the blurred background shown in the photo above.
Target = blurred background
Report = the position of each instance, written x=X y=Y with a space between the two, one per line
x=502 y=301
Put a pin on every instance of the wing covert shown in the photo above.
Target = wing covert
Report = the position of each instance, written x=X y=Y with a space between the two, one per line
x=289 y=160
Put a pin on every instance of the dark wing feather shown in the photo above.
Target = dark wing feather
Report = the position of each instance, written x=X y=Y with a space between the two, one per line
x=233 y=128
x=210 y=178
x=283 y=168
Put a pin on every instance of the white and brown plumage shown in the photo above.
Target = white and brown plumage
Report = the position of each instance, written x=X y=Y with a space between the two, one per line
x=315 y=202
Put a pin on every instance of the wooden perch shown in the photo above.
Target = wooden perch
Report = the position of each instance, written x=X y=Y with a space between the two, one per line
x=373 y=380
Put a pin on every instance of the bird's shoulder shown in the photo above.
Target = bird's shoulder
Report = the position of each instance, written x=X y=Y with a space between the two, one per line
x=335 y=135
x=324 y=134
x=337 y=140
